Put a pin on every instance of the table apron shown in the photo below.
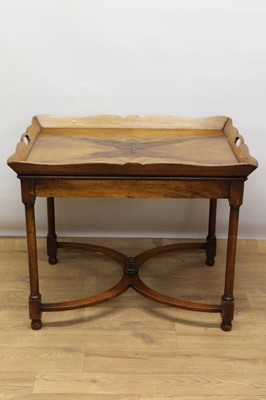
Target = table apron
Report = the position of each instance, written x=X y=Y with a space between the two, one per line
x=133 y=188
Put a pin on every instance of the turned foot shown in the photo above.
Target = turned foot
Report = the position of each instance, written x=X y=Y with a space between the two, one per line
x=52 y=260
x=227 y=313
x=36 y=324
x=210 y=261
x=226 y=326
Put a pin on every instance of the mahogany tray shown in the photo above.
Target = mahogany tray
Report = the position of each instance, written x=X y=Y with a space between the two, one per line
x=132 y=146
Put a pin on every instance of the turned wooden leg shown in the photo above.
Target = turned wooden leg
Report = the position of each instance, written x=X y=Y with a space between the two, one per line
x=51 y=236
x=228 y=297
x=211 y=238
x=35 y=297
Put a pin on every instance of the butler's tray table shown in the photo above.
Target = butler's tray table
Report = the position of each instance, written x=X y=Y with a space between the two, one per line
x=132 y=157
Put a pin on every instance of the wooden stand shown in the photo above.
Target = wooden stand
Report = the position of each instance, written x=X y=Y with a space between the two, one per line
x=113 y=173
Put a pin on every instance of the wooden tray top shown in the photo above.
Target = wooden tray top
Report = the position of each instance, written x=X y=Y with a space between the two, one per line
x=132 y=146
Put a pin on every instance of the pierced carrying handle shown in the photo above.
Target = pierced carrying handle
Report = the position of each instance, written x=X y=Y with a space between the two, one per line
x=238 y=140
x=25 y=138
x=238 y=145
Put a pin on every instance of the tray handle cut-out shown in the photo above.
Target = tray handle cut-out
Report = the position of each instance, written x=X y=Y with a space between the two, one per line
x=25 y=138
x=239 y=140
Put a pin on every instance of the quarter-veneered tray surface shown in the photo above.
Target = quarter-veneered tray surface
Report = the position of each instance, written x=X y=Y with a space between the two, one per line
x=150 y=146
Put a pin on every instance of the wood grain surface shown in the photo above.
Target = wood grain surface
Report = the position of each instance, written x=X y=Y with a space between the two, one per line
x=149 y=146
x=131 y=146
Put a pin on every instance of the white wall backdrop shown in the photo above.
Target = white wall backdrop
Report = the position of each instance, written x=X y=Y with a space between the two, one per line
x=187 y=58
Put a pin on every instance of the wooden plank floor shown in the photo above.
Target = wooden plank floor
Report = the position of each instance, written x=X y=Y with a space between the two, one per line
x=132 y=348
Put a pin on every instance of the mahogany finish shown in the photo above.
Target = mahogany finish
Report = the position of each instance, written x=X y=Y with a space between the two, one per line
x=132 y=157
